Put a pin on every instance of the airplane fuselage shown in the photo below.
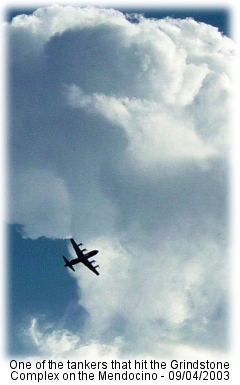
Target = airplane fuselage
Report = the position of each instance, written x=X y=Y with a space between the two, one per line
x=90 y=254
x=86 y=256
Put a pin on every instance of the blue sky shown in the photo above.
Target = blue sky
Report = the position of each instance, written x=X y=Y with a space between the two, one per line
x=33 y=284
x=118 y=137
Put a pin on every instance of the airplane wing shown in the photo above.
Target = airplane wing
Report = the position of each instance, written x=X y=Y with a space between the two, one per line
x=77 y=249
x=88 y=264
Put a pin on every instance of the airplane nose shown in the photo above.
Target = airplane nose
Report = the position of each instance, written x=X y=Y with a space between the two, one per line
x=92 y=253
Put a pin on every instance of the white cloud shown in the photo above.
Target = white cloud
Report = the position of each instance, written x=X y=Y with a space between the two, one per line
x=119 y=137
x=52 y=342
x=148 y=292
x=40 y=201
x=61 y=343
x=44 y=23
x=155 y=135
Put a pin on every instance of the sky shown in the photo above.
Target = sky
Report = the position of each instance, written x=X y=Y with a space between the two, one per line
x=118 y=137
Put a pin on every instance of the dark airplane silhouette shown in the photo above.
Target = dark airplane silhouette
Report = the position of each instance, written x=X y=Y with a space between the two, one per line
x=81 y=257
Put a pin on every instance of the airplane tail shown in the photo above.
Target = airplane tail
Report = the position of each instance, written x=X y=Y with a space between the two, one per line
x=67 y=263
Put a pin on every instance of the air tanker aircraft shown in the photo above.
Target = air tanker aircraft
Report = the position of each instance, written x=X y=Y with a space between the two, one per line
x=81 y=257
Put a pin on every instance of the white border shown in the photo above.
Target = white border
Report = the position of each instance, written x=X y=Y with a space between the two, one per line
x=233 y=7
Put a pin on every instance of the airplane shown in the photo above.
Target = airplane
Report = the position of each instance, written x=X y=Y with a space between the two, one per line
x=81 y=257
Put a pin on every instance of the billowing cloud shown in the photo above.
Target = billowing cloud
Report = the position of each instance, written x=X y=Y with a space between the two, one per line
x=147 y=126
x=62 y=343
x=40 y=200
x=119 y=137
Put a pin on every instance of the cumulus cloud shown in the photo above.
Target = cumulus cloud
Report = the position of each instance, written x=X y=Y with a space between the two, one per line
x=166 y=291
x=119 y=137
x=40 y=200
x=147 y=126
x=61 y=343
